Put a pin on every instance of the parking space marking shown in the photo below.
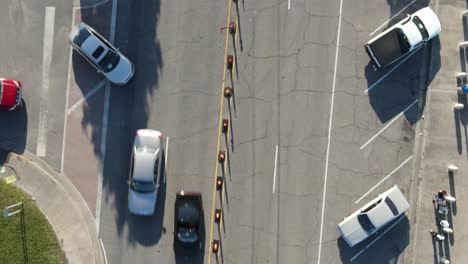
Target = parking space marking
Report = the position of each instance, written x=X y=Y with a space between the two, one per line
x=166 y=150
x=389 y=124
x=274 y=173
x=105 y=119
x=289 y=4
x=442 y=91
x=87 y=96
x=390 y=71
x=391 y=18
x=385 y=178
x=48 y=43
x=330 y=122
x=377 y=238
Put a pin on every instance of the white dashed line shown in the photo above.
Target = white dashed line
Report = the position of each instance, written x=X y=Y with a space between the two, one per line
x=166 y=153
x=389 y=123
x=386 y=22
x=48 y=43
x=385 y=178
x=390 y=71
x=289 y=4
x=377 y=238
x=87 y=96
x=329 y=133
x=274 y=172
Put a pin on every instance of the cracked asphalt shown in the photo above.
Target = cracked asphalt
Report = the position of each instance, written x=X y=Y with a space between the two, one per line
x=282 y=94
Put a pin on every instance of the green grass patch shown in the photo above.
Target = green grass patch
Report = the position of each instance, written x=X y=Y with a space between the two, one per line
x=41 y=242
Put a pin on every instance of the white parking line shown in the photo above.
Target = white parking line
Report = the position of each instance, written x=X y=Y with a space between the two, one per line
x=48 y=43
x=330 y=122
x=389 y=123
x=105 y=119
x=289 y=4
x=274 y=172
x=391 y=18
x=103 y=250
x=166 y=150
x=87 y=96
x=390 y=71
x=377 y=238
x=385 y=178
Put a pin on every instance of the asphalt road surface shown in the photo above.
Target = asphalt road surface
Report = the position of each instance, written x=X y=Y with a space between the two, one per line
x=315 y=134
x=34 y=50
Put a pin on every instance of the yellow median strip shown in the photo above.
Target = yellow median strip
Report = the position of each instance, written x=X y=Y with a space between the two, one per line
x=221 y=105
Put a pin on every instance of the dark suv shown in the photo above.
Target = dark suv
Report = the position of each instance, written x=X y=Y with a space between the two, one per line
x=188 y=223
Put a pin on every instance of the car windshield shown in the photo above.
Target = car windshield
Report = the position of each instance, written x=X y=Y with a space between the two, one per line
x=404 y=42
x=392 y=206
x=110 y=60
x=421 y=27
x=365 y=223
x=142 y=186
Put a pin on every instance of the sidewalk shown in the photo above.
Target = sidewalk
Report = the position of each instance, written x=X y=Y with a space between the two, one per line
x=445 y=142
x=64 y=207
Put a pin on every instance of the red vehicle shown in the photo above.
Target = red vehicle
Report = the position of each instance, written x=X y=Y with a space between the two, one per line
x=10 y=94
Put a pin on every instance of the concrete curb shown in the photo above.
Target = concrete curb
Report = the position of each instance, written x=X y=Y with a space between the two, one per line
x=63 y=205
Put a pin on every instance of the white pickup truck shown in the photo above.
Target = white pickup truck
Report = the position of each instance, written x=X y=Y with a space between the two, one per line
x=403 y=37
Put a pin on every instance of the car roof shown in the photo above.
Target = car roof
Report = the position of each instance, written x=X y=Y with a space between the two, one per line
x=144 y=164
x=94 y=48
x=382 y=214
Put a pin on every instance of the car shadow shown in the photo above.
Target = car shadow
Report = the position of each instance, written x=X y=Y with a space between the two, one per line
x=13 y=131
x=403 y=87
x=386 y=250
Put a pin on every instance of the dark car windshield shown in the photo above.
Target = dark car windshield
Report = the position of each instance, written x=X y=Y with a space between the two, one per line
x=82 y=35
x=392 y=206
x=404 y=43
x=421 y=27
x=142 y=186
x=110 y=60
x=365 y=223
x=187 y=235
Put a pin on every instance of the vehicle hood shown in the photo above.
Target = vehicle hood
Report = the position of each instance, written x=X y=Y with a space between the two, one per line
x=9 y=94
x=122 y=73
x=141 y=203
x=411 y=31
x=351 y=231
x=430 y=20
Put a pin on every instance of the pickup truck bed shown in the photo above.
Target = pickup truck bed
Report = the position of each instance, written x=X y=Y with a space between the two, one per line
x=387 y=48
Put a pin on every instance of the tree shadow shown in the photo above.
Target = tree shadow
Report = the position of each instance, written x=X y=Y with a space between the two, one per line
x=397 y=87
x=13 y=131
x=387 y=249
x=128 y=108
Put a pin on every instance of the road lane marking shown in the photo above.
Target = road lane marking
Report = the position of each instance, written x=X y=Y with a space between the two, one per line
x=389 y=123
x=385 y=178
x=377 y=238
x=48 y=43
x=289 y=4
x=87 y=96
x=391 y=18
x=105 y=120
x=330 y=122
x=103 y=250
x=166 y=150
x=274 y=172
x=390 y=71
x=220 y=121
x=65 y=118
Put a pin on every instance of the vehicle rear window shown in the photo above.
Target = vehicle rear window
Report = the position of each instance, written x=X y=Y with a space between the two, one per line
x=392 y=206
x=421 y=27
x=98 y=52
x=82 y=35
